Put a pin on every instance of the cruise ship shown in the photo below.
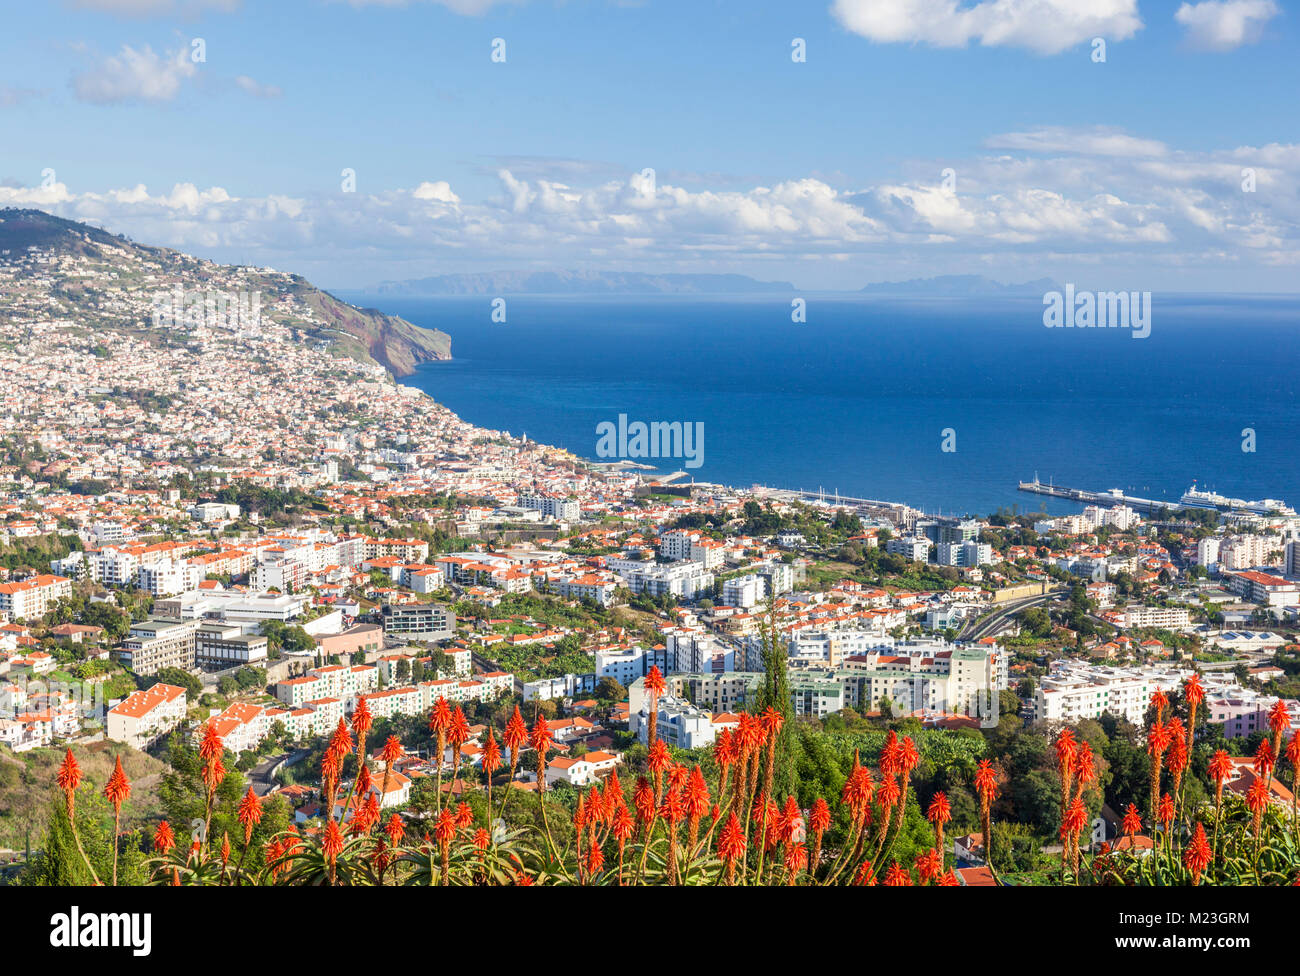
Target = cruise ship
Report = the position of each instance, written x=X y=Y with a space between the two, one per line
x=1196 y=498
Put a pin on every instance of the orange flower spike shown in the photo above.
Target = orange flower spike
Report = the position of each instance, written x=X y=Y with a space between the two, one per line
x=118 y=787
x=1279 y=719
x=1197 y=856
x=819 y=818
x=211 y=746
x=986 y=781
x=1219 y=769
x=482 y=839
x=624 y=825
x=1193 y=691
x=1084 y=765
x=1076 y=818
x=1264 y=759
x=888 y=793
x=445 y=827
x=929 y=865
x=249 y=813
x=731 y=841
x=866 y=875
x=772 y=721
x=660 y=758
x=949 y=879
x=1157 y=739
x=1159 y=701
x=459 y=730
x=440 y=717
x=696 y=795
x=364 y=779
x=1257 y=798
x=362 y=720
x=516 y=733
x=392 y=750
x=1165 y=812
x=891 y=756
x=1132 y=823
x=540 y=736
x=939 y=811
x=897 y=877
x=1065 y=751
x=1293 y=751
x=69 y=775
x=225 y=848
x=654 y=682
x=796 y=860
x=595 y=859
x=643 y=798
x=332 y=840
x=491 y=755
x=395 y=830
x=464 y=815
x=164 y=839
x=908 y=757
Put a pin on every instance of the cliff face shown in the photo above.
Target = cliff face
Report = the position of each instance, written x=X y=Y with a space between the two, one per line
x=136 y=272
x=388 y=340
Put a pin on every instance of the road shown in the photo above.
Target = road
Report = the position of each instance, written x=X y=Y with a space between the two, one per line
x=261 y=776
x=995 y=621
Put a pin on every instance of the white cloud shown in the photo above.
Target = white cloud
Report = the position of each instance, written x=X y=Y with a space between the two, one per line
x=1043 y=26
x=135 y=75
x=257 y=89
x=1087 y=198
x=1222 y=25
x=1097 y=141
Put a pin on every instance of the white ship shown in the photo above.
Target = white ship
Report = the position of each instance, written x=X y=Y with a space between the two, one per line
x=1196 y=498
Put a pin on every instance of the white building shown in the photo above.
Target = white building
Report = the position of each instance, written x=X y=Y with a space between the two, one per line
x=143 y=717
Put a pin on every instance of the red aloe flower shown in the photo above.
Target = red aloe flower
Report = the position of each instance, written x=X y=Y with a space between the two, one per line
x=1076 y=818
x=341 y=740
x=440 y=717
x=654 y=682
x=1219 y=769
x=731 y=844
x=1165 y=812
x=516 y=734
x=796 y=860
x=332 y=840
x=887 y=794
x=866 y=875
x=491 y=755
x=939 y=811
x=362 y=720
x=1196 y=858
x=482 y=839
x=1159 y=701
x=891 y=756
x=69 y=778
x=1065 y=749
x=1084 y=766
x=1279 y=719
x=1264 y=759
x=695 y=796
x=210 y=747
x=819 y=818
x=908 y=757
x=464 y=815
x=392 y=750
x=986 y=781
x=660 y=758
x=395 y=829
x=225 y=848
x=595 y=860
x=1257 y=799
x=1132 y=821
x=897 y=877
x=949 y=879
x=929 y=865
x=164 y=839
x=118 y=787
x=249 y=813
x=444 y=827
x=643 y=798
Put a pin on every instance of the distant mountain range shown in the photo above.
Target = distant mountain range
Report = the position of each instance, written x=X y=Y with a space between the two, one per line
x=577 y=283
x=359 y=333
x=640 y=283
x=951 y=286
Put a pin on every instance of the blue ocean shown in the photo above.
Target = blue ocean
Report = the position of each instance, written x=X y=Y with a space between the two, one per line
x=856 y=400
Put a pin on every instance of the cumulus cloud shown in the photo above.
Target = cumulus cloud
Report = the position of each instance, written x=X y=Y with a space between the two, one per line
x=135 y=75
x=257 y=89
x=1043 y=26
x=1222 y=25
x=1043 y=195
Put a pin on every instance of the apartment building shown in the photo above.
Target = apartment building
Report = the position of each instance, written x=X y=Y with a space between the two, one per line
x=419 y=621
x=31 y=598
x=144 y=717
x=1165 y=618
x=225 y=645
x=154 y=644
x=1075 y=691
x=1263 y=588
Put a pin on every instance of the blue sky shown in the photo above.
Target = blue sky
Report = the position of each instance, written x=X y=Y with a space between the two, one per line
x=828 y=172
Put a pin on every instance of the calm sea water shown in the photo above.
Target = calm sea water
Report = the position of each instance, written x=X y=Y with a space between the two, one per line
x=855 y=400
